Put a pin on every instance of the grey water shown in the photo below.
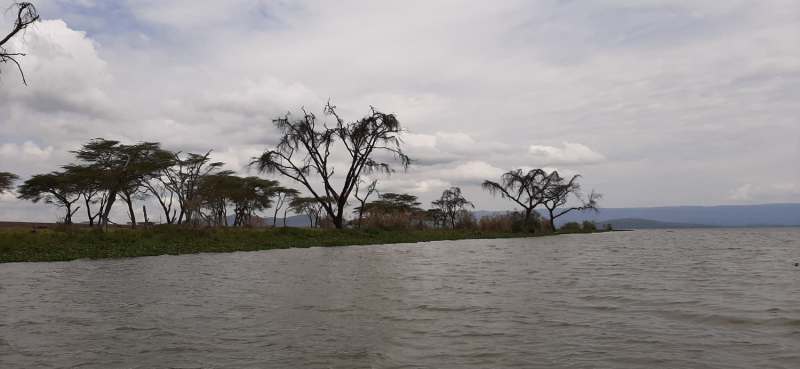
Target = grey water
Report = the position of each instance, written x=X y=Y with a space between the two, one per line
x=688 y=298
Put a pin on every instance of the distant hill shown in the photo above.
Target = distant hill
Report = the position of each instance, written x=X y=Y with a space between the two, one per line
x=768 y=215
x=636 y=223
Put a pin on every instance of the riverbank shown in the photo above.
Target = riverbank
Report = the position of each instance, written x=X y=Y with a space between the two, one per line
x=70 y=243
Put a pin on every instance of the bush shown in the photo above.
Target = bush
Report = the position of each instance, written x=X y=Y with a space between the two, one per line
x=589 y=225
x=607 y=227
x=519 y=225
x=496 y=222
x=571 y=226
x=465 y=219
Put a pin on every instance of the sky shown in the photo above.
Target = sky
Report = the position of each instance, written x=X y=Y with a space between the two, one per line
x=653 y=103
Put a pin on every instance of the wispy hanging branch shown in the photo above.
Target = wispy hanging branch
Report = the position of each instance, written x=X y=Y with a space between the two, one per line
x=26 y=15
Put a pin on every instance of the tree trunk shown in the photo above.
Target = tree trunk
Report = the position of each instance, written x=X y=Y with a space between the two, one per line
x=104 y=218
x=338 y=222
x=130 y=209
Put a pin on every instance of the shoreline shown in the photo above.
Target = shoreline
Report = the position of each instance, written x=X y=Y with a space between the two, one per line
x=63 y=243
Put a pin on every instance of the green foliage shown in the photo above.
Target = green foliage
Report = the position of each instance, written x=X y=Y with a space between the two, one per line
x=607 y=227
x=7 y=181
x=589 y=225
x=571 y=226
x=77 y=243
x=520 y=225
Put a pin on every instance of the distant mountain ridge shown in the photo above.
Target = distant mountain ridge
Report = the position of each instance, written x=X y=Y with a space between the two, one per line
x=636 y=223
x=766 y=215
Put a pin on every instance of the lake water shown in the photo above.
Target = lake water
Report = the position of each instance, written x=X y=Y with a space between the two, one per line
x=694 y=298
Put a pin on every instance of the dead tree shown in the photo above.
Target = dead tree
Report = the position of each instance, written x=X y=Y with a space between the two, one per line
x=370 y=190
x=557 y=191
x=26 y=15
x=526 y=190
x=304 y=152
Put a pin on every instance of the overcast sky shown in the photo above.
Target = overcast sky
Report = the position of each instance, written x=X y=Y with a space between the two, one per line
x=654 y=103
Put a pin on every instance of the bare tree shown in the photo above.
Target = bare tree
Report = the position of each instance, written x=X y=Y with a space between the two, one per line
x=370 y=190
x=557 y=191
x=26 y=15
x=450 y=204
x=526 y=190
x=304 y=152
x=7 y=181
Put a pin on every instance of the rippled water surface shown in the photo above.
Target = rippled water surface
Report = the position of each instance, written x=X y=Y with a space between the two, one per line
x=698 y=298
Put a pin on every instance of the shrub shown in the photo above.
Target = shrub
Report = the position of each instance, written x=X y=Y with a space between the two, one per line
x=589 y=225
x=607 y=227
x=518 y=223
x=571 y=226
x=465 y=219
x=496 y=222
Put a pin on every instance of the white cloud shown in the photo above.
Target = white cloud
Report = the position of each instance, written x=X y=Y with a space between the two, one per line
x=571 y=154
x=63 y=72
x=473 y=172
x=692 y=90
x=266 y=98
x=779 y=192
x=27 y=153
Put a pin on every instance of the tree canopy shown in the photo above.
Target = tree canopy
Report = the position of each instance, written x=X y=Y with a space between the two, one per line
x=7 y=181
x=450 y=204
x=527 y=190
x=304 y=153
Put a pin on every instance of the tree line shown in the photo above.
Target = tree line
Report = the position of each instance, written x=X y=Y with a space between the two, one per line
x=191 y=189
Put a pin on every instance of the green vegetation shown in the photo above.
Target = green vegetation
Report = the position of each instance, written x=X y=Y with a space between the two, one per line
x=69 y=243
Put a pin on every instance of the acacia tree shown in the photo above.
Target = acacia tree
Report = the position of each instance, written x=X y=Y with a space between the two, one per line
x=120 y=169
x=283 y=196
x=249 y=195
x=558 y=190
x=90 y=187
x=450 y=204
x=527 y=190
x=304 y=153
x=307 y=206
x=57 y=188
x=184 y=178
x=26 y=15
x=7 y=181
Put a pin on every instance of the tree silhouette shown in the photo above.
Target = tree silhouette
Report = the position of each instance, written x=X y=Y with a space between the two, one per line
x=450 y=204
x=527 y=190
x=370 y=190
x=283 y=196
x=558 y=190
x=304 y=152
x=57 y=188
x=7 y=181
x=26 y=15
x=121 y=169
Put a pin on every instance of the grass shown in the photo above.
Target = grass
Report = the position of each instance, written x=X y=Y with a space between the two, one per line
x=17 y=245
